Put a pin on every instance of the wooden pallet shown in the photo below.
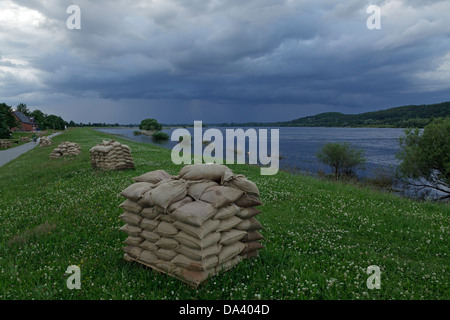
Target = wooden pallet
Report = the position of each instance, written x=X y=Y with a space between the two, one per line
x=127 y=257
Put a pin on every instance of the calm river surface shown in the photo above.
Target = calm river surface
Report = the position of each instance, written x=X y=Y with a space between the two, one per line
x=298 y=146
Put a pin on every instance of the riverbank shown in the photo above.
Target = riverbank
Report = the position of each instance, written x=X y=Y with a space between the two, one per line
x=320 y=236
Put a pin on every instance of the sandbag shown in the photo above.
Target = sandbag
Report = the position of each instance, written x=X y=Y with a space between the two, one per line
x=220 y=196
x=133 y=251
x=132 y=219
x=249 y=225
x=252 y=235
x=153 y=176
x=241 y=182
x=211 y=172
x=166 y=229
x=150 y=246
x=194 y=265
x=149 y=224
x=226 y=212
x=198 y=232
x=136 y=190
x=167 y=243
x=252 y=246
x=178 y=204
x=229 y=237
x=131 y=206
x=165 y=254
x=247 y=200
x=247 y=213
x=194 y=213
x=229 y=223
x=195 y=243
x=230 y=251
x=199 y=255
x=131 y=230
x=150 y=236
x=169 y=192
x=133 y=241
x=196 y=190
x=148 y=257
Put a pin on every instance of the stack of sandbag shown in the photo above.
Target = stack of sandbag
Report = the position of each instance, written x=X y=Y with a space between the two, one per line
x=45 y=141
x=66 y=149
x=111 y=155
x=194 y=225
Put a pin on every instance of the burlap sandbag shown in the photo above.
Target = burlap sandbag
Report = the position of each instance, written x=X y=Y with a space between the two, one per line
x=132 y=219
x=150 y=246
x=133 y=241
x=194 y=265
x=220 y=196
x=167 y=243
x=150 y=236
x=197 y=189
x=168 y=192
x=133 y=251
x=230 y=251
x=229 y=237
x=195 y=243
x=131 y=206
x=148 y=224
x=165 y=254
x=178 y=204
x=247 y=213
x=228 y=223
x=135 y=191
x=153 y=176
x=252 y=235
x=211 y=172
x=131 y=230
x=166 y=229
x=198 y=232
x=148 y=257
x=199 y=255
x=226 y=212
x=241 y=182
x=194 y=213
x=248 y=200
x=252 y=246
x=249 y=225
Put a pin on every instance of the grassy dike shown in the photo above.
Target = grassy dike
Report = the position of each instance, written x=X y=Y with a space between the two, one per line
x=320 y=237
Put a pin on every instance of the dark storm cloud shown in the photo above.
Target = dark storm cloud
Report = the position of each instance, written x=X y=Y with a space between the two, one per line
x=202 y=56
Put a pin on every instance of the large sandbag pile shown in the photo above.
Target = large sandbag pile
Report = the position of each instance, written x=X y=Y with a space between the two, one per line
x=45 y=141
x=194 y=225
x=66 y=149
x=111 y=155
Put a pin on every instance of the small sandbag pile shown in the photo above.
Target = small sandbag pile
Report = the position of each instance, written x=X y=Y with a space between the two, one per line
x=111 y=155
x=194 y=225
x=45 y=141
x=66 y=149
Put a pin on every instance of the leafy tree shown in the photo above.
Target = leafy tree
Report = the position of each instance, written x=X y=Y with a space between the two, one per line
x=22 y=107
x=342 y=158
x=39 y=118
x=7 y=120
x=425 y=157
x=160 y=136
x=150 y=125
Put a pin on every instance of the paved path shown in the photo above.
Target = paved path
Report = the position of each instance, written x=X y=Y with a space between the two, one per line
x=10 y=154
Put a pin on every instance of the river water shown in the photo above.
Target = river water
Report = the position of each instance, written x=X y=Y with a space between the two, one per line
x=299 y=145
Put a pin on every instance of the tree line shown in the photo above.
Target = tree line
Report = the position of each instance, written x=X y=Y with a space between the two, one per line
x=44 y=121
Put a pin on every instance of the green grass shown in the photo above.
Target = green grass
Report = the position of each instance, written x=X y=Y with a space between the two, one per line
x=320 y=236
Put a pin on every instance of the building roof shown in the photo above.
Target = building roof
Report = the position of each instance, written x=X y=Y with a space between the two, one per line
x=22 y=117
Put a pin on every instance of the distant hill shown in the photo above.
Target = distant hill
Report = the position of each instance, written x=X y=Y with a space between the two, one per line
x=398 y=117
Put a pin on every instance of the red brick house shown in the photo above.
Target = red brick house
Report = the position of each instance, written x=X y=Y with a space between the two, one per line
x=25 y=123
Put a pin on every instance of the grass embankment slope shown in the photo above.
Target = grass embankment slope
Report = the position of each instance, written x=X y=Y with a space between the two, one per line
x=320 y=236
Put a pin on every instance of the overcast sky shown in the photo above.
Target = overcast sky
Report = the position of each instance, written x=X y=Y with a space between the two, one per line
x=222 y=60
